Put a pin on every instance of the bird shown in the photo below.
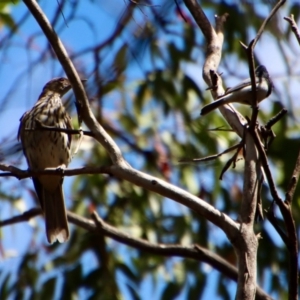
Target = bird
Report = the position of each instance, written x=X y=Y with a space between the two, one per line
x=49 y=149
x=242 y=93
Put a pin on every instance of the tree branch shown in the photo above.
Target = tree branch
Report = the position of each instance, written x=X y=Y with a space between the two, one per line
x=98 y=226
x=246 y=242
x=12 y=171
x=214 y=40
x=294 y=27
x=148 y=182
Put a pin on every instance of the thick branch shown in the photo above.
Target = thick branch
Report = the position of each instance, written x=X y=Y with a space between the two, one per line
x=214 y=39
x=246 y=243
x=201 y=19
x=150 y=183
x=195 y=252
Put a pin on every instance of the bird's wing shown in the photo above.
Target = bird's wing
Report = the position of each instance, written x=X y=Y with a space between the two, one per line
x=20 y=126
x=245 y=83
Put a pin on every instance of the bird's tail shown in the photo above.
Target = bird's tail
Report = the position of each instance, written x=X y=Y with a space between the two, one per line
x=214 y=105
x=55 y=215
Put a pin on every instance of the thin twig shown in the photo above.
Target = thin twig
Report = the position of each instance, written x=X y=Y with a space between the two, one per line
x=294 y=27
x=250 y=54
x=285 y=209
x=24 y=217
x=11 y=171
x=210 y=157
x=42 y=127
x=293 y=182
x=272 y=219
x=276 y=118
x=266 y=21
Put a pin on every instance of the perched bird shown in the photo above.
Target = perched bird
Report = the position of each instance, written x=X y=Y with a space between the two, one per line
x=242 y=93
x=49 y=149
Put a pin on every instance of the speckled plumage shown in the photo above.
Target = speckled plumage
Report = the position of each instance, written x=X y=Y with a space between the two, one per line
x=49 y=149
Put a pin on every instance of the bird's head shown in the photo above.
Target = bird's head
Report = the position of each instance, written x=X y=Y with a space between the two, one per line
x=261 y=72
x=58 y=85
